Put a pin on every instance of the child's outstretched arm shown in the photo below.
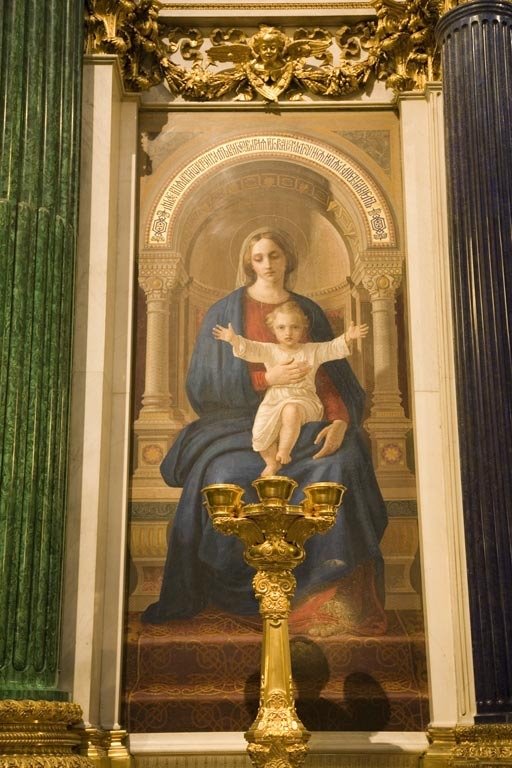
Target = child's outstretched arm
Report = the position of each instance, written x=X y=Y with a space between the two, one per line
x=224 y=334
x=356 y=332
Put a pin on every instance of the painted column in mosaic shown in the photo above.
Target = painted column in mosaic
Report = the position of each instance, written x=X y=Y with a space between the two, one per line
x=40 y=83
x=476 y=39
x=162 y=276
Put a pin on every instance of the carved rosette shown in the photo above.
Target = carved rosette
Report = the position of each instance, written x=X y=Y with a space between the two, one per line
x=40 y=733
x=397 y=47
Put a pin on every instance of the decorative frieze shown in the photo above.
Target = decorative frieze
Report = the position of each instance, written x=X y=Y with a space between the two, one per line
x=396 y=46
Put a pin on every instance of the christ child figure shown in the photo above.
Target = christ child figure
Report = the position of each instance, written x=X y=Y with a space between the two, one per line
x=285 y=408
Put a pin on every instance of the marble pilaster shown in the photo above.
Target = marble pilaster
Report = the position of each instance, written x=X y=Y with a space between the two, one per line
x=440 y=519
x=101 y=398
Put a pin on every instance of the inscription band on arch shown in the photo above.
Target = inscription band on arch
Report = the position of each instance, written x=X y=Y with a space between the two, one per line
x=361 y=185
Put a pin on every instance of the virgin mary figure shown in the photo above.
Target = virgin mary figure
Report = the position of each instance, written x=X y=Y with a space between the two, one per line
x=205 y=569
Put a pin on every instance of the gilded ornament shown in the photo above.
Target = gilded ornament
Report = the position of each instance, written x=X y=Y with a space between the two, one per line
x=274 y=532
x=397 y=47
x=483 y=742
x=40 y=733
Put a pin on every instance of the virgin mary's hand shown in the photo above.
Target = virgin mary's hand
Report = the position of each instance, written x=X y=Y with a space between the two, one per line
x=332 y=435
x=287 y=373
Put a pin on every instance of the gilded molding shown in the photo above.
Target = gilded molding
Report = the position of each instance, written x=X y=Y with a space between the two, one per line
x=471 y=746
x=483 y=742
x=17 y=712
x=295 y=7
x=40 y=733
x=106 y=748
x=95 y=744
x=397 y=47
x=118 y=752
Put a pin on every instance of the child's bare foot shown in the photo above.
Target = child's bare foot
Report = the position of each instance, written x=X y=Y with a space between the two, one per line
x=271 y=468
x=283 y=458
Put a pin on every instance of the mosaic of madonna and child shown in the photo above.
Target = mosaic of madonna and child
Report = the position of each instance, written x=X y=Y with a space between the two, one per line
x=280 y=356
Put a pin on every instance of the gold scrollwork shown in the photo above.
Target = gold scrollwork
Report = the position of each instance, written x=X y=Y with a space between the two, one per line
x=398 y=47
x=274 y=590
x=483 y=742
x=277 y=754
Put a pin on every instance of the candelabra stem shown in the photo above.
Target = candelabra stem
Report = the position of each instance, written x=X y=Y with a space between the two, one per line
x=274 y=532
x=277 y=738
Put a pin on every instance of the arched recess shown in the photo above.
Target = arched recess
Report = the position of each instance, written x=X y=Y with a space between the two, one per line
x=370 y=205
x=344 y=226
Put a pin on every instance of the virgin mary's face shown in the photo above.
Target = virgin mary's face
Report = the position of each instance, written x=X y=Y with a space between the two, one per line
x=268 y=261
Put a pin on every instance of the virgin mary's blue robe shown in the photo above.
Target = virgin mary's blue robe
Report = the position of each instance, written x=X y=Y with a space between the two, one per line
x=206 y=568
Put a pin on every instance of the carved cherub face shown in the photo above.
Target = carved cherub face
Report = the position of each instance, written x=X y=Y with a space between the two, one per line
x=269 y=47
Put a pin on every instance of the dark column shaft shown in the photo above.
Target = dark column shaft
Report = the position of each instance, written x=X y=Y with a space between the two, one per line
x=40 y=83
x=477 y=84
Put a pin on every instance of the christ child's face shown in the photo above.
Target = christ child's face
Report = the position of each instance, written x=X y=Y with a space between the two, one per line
x=288 y=329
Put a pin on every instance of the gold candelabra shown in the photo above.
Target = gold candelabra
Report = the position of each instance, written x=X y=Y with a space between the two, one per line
x=274 y=532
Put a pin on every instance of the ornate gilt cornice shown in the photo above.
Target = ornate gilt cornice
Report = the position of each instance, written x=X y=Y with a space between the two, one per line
x=397 y=47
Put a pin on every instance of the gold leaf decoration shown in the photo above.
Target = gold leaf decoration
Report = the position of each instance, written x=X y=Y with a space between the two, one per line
x=397 y=47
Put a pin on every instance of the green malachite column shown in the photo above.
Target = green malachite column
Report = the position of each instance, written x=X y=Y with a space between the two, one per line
x=40 y=85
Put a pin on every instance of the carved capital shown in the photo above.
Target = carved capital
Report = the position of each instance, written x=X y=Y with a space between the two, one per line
x=162 y=275
x=382 y=281
x=274 y=590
